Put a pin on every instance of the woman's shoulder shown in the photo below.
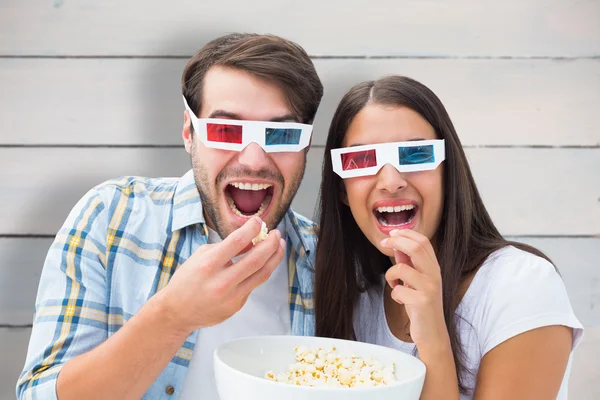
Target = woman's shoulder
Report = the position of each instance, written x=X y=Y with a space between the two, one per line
x=510 y=270
x=515 y=291
x=511 y=266
x=510 y=252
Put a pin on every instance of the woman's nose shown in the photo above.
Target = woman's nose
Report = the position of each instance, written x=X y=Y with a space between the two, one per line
x=390 y=179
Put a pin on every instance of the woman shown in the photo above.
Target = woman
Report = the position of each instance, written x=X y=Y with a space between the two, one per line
x=408 y=257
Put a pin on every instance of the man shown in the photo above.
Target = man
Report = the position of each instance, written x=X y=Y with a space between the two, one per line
x=139 y=287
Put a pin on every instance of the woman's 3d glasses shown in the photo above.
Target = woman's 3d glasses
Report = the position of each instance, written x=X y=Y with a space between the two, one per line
x=421 y=155
x=228 y=134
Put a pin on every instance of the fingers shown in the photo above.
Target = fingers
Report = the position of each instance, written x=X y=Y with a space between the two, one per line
x=404 y=295
x=238 y=240
x=245 y=250
x=261 y=275
x=414 y=246
x=255 y=259
x=417 y=237
x=407 y=274
x=202 y=254
x=401 y=258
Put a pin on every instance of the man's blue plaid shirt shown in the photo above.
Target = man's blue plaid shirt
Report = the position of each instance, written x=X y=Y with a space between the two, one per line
x=119 y=246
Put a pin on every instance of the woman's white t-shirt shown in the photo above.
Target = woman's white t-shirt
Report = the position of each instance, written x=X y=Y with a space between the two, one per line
x=513 y=292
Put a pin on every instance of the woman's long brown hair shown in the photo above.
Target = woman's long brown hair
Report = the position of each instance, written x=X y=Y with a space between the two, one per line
x=348 y=264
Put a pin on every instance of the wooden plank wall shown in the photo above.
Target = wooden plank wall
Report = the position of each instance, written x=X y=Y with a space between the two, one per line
x=89 y=90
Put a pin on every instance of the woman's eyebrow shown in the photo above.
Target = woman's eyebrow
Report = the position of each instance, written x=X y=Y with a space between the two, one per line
x=411 y=140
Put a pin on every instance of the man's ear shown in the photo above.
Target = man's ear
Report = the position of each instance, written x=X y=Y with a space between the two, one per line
x=308 y=147
x=187 y=132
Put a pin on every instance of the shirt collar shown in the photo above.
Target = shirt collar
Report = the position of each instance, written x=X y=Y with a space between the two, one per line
x=187 y=207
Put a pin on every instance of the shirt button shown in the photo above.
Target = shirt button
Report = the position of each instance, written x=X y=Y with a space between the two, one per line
x=170 y=390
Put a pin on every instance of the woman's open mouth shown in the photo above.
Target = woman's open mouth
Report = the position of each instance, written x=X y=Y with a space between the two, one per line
x=248 y=199
x=396 y=217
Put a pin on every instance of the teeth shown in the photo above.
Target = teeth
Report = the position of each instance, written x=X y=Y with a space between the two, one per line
x=395 y=209
x=251 y=186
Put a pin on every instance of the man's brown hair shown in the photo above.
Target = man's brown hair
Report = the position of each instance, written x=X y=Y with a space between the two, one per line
x=272 y=58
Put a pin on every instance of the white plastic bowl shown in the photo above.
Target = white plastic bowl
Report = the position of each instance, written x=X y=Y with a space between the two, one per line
x=240 y=367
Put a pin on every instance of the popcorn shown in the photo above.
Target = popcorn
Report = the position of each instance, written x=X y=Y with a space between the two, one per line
x=321 y=367
x=262 y=235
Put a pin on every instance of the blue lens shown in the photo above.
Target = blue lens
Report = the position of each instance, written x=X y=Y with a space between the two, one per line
x=278 y=136
x=416 y=155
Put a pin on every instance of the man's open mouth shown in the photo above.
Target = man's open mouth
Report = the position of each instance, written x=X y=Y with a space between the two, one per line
x=395 y=216
x=248 y=199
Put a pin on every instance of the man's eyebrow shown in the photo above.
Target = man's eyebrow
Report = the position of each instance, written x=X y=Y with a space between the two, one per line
x=285 y=118
x=224 y=114
x=230 y=115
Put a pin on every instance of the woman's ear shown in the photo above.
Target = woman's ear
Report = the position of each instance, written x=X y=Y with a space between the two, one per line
x=344 y=195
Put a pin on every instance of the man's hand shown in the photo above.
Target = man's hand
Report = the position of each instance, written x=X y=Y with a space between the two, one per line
x=208 y=288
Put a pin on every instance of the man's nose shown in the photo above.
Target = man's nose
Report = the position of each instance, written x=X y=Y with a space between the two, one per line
x=254 y=157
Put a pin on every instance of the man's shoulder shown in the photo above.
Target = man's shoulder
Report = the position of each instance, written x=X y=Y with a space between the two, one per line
x=303 y=232
x=306 y=226
x=156 y=190
x=304 y=221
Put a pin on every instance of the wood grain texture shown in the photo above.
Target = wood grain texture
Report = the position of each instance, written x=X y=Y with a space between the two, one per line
x=20 y=273
x=465 y=28
x=585 y=374
x=13 y=350
x=138 y=101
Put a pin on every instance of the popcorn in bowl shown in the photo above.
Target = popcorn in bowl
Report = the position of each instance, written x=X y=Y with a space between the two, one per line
x=262 y=235
x=245 y=361
x=318 y=367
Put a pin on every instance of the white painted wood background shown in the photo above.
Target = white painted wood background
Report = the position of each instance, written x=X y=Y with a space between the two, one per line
x=89 y=90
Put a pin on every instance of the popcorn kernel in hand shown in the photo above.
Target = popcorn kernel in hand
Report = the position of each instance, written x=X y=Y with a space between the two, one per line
x=262 y=235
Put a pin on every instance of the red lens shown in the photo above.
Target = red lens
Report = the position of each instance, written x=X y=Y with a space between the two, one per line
x=223 y=133
x=359 y=159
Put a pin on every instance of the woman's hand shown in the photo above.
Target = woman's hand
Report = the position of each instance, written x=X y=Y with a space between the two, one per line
x=421 y=292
